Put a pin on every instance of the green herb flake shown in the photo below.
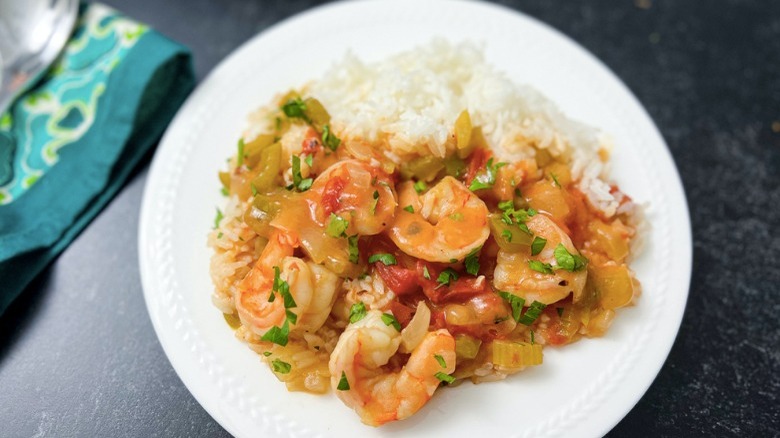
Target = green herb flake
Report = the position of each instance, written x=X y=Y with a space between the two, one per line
x=486 y=179
x=337 y=226
x=266 y=353
x=219 y=236
x=277 y=335
x=446 y=378
x=389 y=320
x=532 y=337
x=420 y=186
x=291 y=316
x=329 y=139
x=440 y=359
x=374 y=202
x=283 y=288
x=240 y=155
x=254 y=189
x=387 y=259
x=506 y=205
x=357 y=312
x=343 y=383
x=555 y=180
x=426 y=274
x=507 y=235
x=544 y=268
x=538 y=245
x=298 y=181
x=472 y=262
x=281 y=366
x=568 y=261
x=295 y=108
x=533 y=312
x=515 y=302
x=354 y=251
x=447 y=276
x=458 y=217
x=524 y=228
x=409 y=208
x=225 y=191
x=218 y=218
x=309 y=160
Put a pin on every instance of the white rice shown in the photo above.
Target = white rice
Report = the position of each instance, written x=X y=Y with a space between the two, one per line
x=410 y=101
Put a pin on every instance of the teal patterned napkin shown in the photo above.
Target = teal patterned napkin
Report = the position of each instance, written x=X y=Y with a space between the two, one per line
x=69 y=144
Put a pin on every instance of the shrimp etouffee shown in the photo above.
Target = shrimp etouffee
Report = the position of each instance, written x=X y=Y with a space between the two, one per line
x=384 y=277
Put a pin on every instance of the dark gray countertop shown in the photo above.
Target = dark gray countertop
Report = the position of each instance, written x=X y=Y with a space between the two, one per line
x=79 y=357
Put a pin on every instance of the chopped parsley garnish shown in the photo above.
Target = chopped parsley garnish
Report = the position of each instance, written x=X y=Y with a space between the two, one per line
x=309 y=160
x=219 y=236
x=447 y=276
x=472 y=262
x=426 y=274
x=295 y=108
x=507 y=235
x=291 y=316
x=458 y=216
x=555 y=180
x=225 y=191
x=374 y=202
x=281 y=367
x=506 y=205
x=440 y=360
x=560 y=311
x=254 y=189
x=446 y=378
x=515 y=302
x=409 y=208
x=240 y=156
x=354 y=251
x=357 y=312
x=544 y=268
x=283 y=288
x=337 y=226
x=343 y=383
x=329 y=139
x=387 y=259
x=568 y=261
x=277 y=335
x=218 y=218
x=532 y=313
x=538 y=245
x=532 y=337
x=486 y=179
x=420 y=186
x=389 y=319
x=266 y=353
x=298 y=180
x=524 y=228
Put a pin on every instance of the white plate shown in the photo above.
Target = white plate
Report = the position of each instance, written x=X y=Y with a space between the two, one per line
x=581 y=390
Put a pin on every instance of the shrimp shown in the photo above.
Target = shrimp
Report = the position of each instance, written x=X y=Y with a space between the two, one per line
x=446 y=223
x=513 y=273
x=325 y=284
x=254 y=291
x=377 y=394
x=358 y=192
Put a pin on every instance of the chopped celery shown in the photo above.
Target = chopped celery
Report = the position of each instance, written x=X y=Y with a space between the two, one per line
x=466 y=347
x=516 y=354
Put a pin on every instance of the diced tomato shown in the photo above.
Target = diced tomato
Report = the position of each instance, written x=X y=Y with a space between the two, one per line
x=401 y=280
x=402 y=312
x=311 y=143
x=461 y=289
x=331 y=194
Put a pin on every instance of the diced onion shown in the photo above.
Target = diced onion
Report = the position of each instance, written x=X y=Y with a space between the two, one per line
x=415 y=331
